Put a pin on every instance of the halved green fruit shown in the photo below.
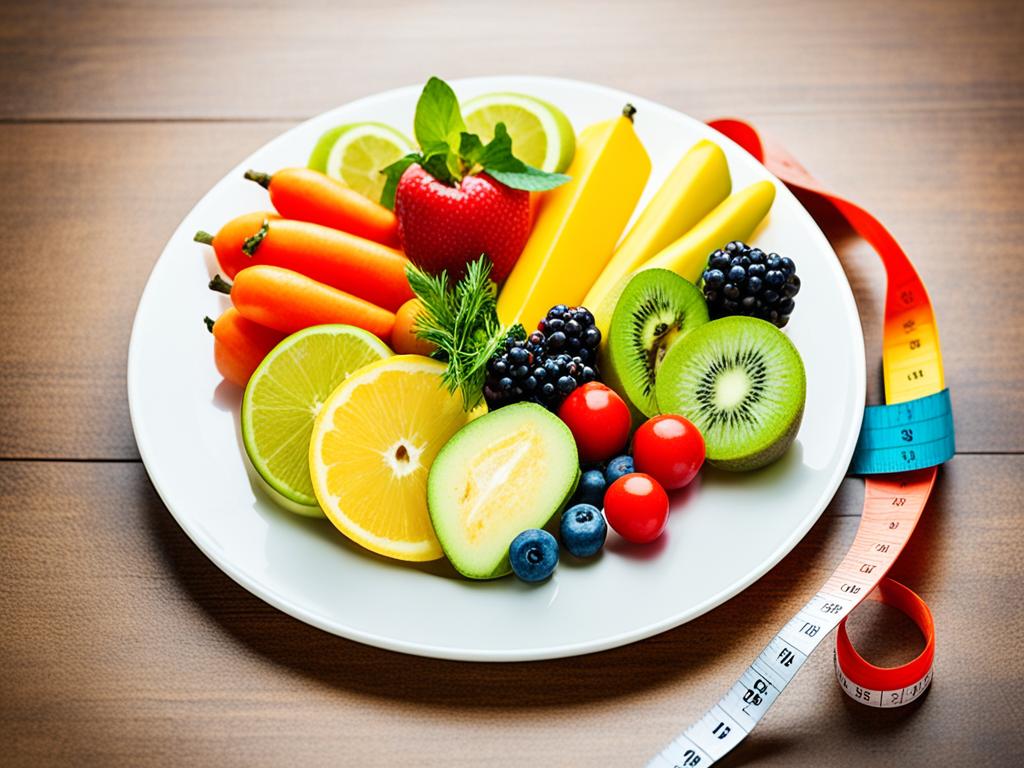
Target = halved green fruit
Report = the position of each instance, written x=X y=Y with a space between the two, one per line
x=355 y=154
x=502 y=473
x=742 y=382
x=656 y=309
x=542 y=135
x=283 y=398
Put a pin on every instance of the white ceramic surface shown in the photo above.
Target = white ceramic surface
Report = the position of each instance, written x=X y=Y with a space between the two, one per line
x=722 y=535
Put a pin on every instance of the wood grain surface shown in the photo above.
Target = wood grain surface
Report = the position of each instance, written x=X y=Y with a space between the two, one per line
x=122 y=645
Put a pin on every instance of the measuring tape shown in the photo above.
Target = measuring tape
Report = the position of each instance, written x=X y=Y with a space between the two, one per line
x=911 y=435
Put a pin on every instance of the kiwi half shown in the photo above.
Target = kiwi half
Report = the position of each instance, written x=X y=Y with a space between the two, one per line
x=742 y=382
x=656 y=309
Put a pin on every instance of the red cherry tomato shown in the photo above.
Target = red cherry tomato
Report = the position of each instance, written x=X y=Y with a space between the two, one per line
x=636 y=507
x=599 y=420
x=670 y=449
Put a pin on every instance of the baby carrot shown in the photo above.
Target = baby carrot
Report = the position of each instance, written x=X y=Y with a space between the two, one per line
x=308 y=195
x=288 y=302
x=239 y=345
x=352 y=264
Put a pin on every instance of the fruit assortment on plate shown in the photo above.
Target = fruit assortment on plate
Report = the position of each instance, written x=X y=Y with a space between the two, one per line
x=452 y=347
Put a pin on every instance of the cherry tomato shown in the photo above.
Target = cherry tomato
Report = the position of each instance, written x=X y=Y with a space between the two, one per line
x=636 y=507
x=670 y=449
x=599 y=420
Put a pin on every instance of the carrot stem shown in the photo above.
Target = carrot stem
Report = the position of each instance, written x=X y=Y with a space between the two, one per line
x=263 y=179
x=203 y=237
x=220 y=285
x=209 y=323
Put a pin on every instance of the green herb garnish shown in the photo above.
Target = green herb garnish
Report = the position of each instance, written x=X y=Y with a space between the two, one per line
x=462 y=320
x=448 y=152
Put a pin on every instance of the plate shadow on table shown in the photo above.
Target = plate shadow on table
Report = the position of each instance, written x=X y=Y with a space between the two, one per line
x=665 y=660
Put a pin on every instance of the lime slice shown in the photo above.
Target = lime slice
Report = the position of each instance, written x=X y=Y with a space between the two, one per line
x=356 y=153
x=542 y=135
x=284 y=396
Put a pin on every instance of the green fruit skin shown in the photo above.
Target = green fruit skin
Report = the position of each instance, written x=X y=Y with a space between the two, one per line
x=436 y=496
x=611 y=358
x=565 y=127
x=763 y=458
x=322 y=149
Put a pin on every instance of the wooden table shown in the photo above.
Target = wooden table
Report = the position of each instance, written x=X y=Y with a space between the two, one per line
x=121 y=644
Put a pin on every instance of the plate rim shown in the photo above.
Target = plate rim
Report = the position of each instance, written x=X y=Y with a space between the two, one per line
x=271 y=597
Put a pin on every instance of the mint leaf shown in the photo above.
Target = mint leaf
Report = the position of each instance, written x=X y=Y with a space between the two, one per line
x=394 y=173
x=500 y=164
x=531 y=180
x=471 y=149
x=438 y=119
x=439 y=166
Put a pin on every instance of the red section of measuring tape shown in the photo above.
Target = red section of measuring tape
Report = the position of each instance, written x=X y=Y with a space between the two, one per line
x=910 y=337
x=867 y=675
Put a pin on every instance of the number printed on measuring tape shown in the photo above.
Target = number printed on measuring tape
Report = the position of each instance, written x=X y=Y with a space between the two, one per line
x=909 y=436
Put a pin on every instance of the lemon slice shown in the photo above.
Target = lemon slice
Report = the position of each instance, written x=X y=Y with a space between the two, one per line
x=371 y=450
x=356 y=153
x=283 y=397
x=542 y=135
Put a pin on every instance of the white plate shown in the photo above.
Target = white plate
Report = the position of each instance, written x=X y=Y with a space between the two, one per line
x=721 y=537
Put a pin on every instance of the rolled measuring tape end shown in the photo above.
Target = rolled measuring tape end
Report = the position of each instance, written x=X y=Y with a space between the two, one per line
x=888 y=687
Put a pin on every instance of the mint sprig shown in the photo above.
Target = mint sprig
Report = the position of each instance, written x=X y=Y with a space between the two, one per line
x=449 y=153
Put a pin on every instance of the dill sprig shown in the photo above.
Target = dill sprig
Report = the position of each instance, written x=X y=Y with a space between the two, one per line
x=462 y=321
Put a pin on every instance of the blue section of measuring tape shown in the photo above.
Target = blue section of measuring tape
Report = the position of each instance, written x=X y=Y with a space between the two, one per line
x=913 y=435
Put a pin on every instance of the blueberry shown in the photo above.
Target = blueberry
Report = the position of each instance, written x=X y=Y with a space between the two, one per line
x=734 y=247
x=573 y=328
x=731 y=291
x=530 y=383
x=557 y=310
x=583 y=530
x=556 y=341
x=792 y=286
x=617 y=467
x=786 y=306
x=548 y=389
x=787 y=266
x=566 y=384
x=553 y=325
x=769 y=296
x=757 y=270
x=774 y=261
x=756 y=255
x=584 y=316
x=505 y=384
x=737 y=274
x=540 y=373
x=500 y=368
x=592 y=338
x=591 y=488
x=587 y=374
x=537 y=337
x=748 y=303
x=775 y=278
x=714 y=278
x=754 y=284
x=533 y=555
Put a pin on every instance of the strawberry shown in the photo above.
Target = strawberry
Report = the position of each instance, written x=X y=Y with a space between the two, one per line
x=445 y=227
x=458 y=198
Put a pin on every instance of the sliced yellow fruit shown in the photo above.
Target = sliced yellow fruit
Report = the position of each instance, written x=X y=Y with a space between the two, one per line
x=698 y=183
x=578 y=223
x=735 y=218
x=371 y=450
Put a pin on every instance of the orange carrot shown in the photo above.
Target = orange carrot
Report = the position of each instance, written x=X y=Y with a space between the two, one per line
x=239 y=345
x=352 y=264
x=288 y=302
x=308 y=195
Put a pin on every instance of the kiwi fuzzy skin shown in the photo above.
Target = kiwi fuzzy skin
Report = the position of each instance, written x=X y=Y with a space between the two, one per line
x=769 y=455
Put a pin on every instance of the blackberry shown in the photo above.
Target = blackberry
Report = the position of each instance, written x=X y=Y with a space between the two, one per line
x=572 y=330
x=742 y=280
x=547 y=365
